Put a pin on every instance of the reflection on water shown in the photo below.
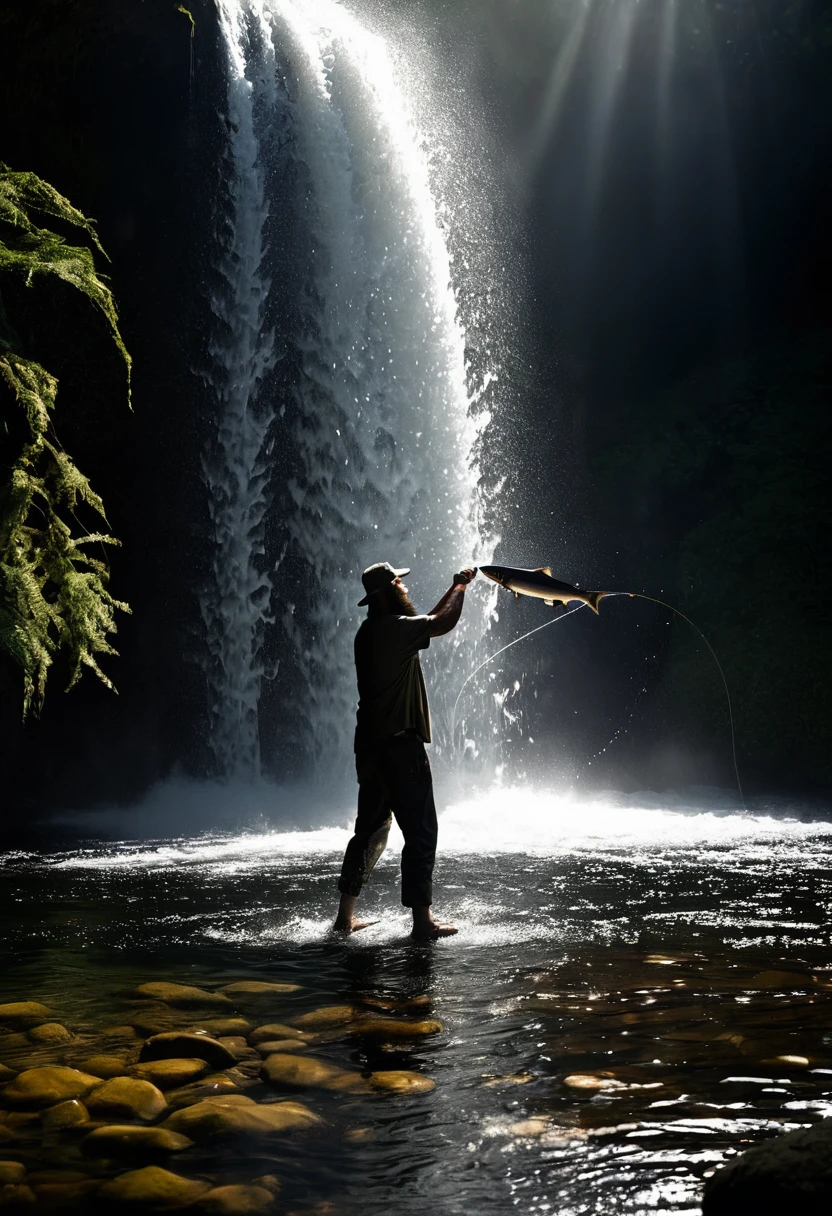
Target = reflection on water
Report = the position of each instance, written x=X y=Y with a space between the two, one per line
x=635 y=995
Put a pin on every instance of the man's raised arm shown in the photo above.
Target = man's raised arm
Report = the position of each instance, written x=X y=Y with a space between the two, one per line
x=447 y=612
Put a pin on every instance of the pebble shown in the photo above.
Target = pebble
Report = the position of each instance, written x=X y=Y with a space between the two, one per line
x=330 y=1015
x=180 y=995
x=152 y=1189
x=235 y=1115
x=258 y=988
x=177 y=1045
x=36 y=1087
x=126 y=1098
x=168 y=1073
x=394 y=1028
x=21 y=1015
x=66 y=1114
x=126 y=1140
x=239 y=1200
x=276 y=1030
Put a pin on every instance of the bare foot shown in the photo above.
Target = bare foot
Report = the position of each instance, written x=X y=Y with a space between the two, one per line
x=433 y=930
x=352 y=926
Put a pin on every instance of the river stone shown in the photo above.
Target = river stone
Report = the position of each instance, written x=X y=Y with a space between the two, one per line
x=237 y=1200
x=792 y=1172
x=258 y=988
x=6 y=1074
x=65 y=1114
x=152 y=1189
x=215 y=1086
x=178 y=1045
x=394 y=1028
x=37 y=1087
x=126 y=1098
x=276 y=1030
x=399 y=1081
x=21 y=1015
x=119 y=1032
x=17 y=1041
x=169 y=1073
x=182 y=996
x=237 y=1045
x=303 y=1072
x=279 y=1045
x=50 y=1032
x=11 y=1173
x=107 y=1066
x=236 y=1115
x=217 y=1027
x=330 y=1015
x=16 y=1198
x=126 y=1140
x=67 y=1197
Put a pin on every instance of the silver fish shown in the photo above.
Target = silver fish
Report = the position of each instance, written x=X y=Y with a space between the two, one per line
x=541 y=584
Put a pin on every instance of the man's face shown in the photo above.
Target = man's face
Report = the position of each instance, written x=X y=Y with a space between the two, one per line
x=401 y=600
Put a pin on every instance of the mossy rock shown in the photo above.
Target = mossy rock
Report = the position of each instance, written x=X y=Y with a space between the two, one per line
x=151 y=1189
x=22 y=1015
x=38 y=1087
x=50 y=1032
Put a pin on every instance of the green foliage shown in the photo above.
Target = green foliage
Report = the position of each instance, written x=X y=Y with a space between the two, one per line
x=735 y=466
x=53 y=592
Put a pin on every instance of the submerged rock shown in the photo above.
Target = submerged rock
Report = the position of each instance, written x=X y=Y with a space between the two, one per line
x=168 y=1073
x=218 y=1027
x=276 y=1030
x=17 y=1198
x=11 y=1173
x=182 y=996
x=177 y=1045
x=6 y=1074
x=258 y=988
x=65 y=1114
x=792 y=1172
x=239 y=1200
x=322 y=1019
x=304 y=1072
x=399 y=1081
x=37 y=1087
x=22 y=1015
x=236 y=1115
x=50 y=1032
x=238 y=1047
x=217 y=1086
x=126 y=1098
x=152 y=1188
x=279 y=1045
x=69 y=1197
x=126 y=1140
x=394 y=1028
x=106 y=1066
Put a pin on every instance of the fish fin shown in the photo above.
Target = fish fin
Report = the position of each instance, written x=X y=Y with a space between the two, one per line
x=592 y=598
x=549 y=603
x=544 y=570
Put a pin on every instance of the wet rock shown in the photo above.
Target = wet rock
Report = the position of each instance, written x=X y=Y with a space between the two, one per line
x=399 y=1081
x=22 y=1015
x=218 y=1027
x=38 y=1087
x=152 y=1189
x=119 y=1032
x=303 y=1072
x=7 y=1134
x=394 y=1028
x=238 y=1047
x=177 y=1045
x=69 y=1197
x=238 y=1116
x=126 y=1098
x=16 y=1198
x=50 y=1032
x=359 y=1135
x=788 y=1061
x=181 y=996
x=11 y=1173
x=792 y=1172
x=216 y=1086
x=106 y=1066
x=168 y=1073
x=579 y=1080
x=6 y=1074
x=276 y=1030
x=269 y=1181
x=126 y=1140
x=65 y=1114
x=279 y=1045
x=237 y=1200
x=323 y=1019
x=14 y=1042
x=258 y=988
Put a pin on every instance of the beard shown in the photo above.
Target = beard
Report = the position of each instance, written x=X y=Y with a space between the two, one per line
x=400 y=602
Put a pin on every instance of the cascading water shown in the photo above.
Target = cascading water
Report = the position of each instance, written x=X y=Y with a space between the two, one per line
x=382 y=431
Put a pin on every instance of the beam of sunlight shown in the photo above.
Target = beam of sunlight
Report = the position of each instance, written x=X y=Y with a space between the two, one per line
x=560 y=78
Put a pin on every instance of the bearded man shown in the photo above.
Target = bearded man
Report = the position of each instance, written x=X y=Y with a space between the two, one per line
x=392 y=728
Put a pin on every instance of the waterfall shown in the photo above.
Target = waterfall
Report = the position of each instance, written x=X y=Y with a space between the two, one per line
x=379 y=421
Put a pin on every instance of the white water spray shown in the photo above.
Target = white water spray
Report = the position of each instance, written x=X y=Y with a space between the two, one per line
x=382 y=425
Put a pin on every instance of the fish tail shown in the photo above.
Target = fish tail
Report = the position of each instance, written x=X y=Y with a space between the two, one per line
x=592 y=599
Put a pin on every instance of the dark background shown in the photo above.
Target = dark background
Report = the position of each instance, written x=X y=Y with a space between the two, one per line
x=663 y=412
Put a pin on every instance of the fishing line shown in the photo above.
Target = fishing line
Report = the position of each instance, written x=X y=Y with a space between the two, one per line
x=632 y=595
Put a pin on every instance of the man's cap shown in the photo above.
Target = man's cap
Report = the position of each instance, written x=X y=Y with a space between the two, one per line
x=376 y=578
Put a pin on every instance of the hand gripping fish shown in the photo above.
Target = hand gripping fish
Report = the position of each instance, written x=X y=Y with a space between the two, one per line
x=540 y=584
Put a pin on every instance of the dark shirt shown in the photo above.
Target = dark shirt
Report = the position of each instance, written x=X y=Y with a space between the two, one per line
x=391 y=688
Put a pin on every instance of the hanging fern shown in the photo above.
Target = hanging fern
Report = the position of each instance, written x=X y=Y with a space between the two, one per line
x=53 y=592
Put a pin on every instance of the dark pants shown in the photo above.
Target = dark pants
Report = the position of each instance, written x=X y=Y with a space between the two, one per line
x=394 y=778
